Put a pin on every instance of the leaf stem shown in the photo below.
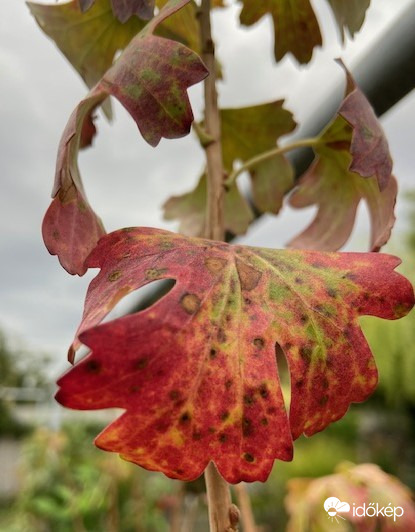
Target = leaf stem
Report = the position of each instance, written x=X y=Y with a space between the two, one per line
x=223 y=515
x=214 y=227
x=278 y=150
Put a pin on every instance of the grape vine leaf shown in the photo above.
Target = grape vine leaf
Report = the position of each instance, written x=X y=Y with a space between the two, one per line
x=91 y=40
x=246 y=132
x=125 y=9
x=196 y=373
x=332 y=183
x=190 y=209
x=349 y=14
x=296 y=29
x=150 y=79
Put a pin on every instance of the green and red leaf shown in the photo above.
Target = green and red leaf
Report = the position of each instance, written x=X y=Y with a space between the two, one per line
x=196 y=372
x=353 y=142
x=91 y=40
x=150 y=79
x=246 y=132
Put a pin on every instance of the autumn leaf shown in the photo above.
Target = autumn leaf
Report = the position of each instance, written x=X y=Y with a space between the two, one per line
x=246 y=132
x=190 y=209
x=91 y=40
x=349 y=14
x=333 y=185
x=296 y=29
x=125 y=9
x=308 y=501
x=150 y=79
x=196 y=372
x=70 y=227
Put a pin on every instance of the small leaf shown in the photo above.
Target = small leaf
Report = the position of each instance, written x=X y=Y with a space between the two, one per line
x=196 y=373
x=295 y=26
x=350 y=14
x=190 y=209
x=332 y=184
x=271 y=179
x=369 y=148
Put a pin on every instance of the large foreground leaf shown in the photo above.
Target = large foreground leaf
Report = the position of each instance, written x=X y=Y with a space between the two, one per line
x=196 y=373
x=150 y=79
x=296 y=28
x=352 y=163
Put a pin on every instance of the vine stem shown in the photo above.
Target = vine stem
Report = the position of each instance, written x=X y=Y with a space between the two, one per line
x=251 y=163
x=214 y=226
x=223 y=515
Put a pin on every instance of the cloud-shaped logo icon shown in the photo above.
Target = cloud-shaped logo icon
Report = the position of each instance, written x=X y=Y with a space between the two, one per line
x=334 y=507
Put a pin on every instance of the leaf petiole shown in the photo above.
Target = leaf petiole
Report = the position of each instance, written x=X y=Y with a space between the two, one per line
x=278 y=150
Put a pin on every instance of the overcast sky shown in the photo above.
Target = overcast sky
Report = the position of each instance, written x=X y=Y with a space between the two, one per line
x=126 y=180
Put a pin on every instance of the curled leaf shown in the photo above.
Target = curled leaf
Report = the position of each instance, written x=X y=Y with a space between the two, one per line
x=197 y=374
x=150 y=79
x=70 y=227
x=353 y=142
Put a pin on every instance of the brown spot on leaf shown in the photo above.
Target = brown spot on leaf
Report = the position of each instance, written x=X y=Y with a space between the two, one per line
x=248 y=276
x=114 y=276
x=305 y=353
x=228 y=384
x=248 y=457
x=154 y=273
x=215 y=265
x=221 y=336
x=185 y=417
x=190 y=303
x=93 y=366
x=323 y=400
x=213 y=353
x=222 y=438
x=224 y=416
x=259 y=343
x=263 y=391
x=249 y=399
x=196 y=436
x=264 y=421
x=331 y=292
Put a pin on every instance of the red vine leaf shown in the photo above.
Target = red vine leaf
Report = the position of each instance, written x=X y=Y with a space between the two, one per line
x=70 y=228
x=190 y=209
x=125 y=9
x=196 y=373
x=369 y=147
x=332 y=184
x=150 y=79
